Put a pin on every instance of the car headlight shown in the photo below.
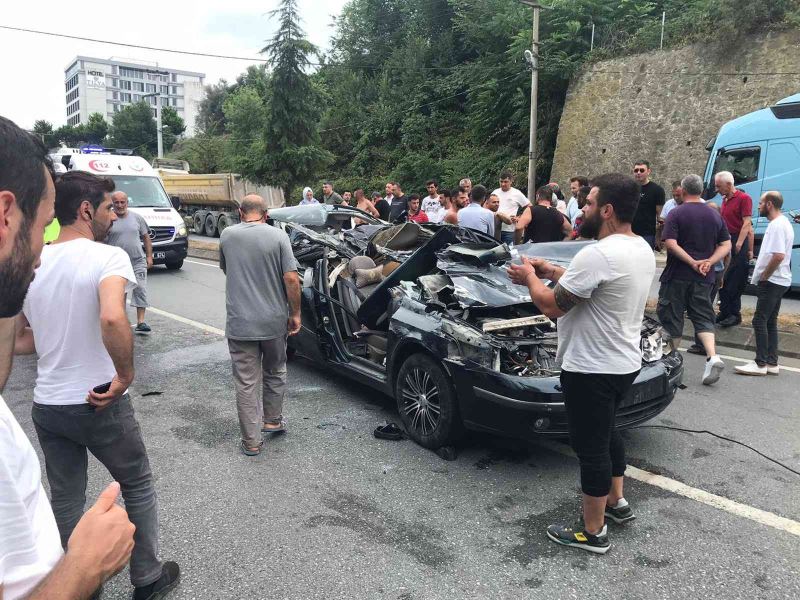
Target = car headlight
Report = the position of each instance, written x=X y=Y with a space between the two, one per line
x=652 y=346
x=182 y=231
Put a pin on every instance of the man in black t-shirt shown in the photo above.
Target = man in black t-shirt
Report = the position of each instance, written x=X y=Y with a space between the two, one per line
x=651 y=200
x=399 y=205
x=381 y=205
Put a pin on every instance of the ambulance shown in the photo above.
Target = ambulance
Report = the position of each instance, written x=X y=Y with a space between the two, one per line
x=146 y=197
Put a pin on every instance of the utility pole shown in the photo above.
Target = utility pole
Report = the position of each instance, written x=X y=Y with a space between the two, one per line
x=663 y=23
x=533 y=63
x=159 y=132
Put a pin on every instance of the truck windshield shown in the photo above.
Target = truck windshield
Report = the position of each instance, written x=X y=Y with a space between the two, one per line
x=142 y=191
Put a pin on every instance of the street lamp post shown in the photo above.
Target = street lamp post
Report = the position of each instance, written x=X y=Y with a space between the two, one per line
x=534 y=66
x=159 y=133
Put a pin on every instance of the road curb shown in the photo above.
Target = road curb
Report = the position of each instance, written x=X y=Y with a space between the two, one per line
x=205 y=250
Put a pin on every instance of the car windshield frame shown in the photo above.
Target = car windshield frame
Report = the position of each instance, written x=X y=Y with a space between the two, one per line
x=317 y=215
x=153 y=189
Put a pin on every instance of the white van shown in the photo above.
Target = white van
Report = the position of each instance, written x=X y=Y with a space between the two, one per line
x=146 y=197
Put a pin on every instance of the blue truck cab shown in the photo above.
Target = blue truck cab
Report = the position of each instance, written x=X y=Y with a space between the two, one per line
x=762 y=150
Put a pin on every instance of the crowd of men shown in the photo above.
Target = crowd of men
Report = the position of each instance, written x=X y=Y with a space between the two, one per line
x=708 y=251
x=72 y=315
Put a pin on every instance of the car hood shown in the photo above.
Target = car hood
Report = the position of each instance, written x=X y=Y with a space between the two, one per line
x=479 y=281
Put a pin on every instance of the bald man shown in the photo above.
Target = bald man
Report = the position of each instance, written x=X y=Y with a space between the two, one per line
x=262 y=296
x=130 y=232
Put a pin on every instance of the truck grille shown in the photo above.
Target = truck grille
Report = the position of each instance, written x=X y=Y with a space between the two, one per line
x=161 y=234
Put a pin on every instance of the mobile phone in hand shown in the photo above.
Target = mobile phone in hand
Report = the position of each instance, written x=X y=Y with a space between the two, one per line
x=102 y=389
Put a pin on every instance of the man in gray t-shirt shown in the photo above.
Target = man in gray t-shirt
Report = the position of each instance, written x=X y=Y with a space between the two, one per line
x=130 y=232
x=262 y=298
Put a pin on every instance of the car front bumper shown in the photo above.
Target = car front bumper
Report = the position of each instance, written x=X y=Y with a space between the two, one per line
x=526 y=406
x=171 y=252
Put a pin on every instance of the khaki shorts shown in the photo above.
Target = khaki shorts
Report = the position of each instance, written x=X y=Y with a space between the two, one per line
x=139 y=293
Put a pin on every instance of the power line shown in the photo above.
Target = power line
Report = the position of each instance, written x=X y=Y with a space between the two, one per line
x=209 y=55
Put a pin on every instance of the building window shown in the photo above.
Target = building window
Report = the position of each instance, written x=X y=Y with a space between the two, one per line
x=124 y=85
x=125 y=97
x=174 y=77
x=151 y=87
x=73 y=108
x=163 y=89
x=72 y=82
x=137 y=98
x=115 y=82
x=174 y=102
x=174 y=90
x=114 y=69
x=138 y=86
x=72 y=95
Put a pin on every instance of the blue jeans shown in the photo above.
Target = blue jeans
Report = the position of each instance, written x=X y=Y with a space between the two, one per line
x=507 y=237
x=65 y=433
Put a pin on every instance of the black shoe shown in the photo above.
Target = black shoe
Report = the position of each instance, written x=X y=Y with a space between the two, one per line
x=142 y=328
x=620 y=514
x=695 y=349
x=579 y=538
x=170 y=576
x=730 y=321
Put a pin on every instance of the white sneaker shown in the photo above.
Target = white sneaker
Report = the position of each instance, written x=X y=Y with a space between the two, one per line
x=713 y=370
x=776 y=370
x=751 y=368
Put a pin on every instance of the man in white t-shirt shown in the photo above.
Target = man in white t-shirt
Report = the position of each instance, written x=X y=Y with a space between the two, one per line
x=431 y=205
x=74 y=320
x=511 y=202
x=32 y=562
x=599 y=302
x=575 y=184
x=773 y=276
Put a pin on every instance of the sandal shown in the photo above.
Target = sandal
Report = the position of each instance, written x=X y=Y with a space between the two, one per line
x=251 y=450
x=390 y=431
x=281 y=426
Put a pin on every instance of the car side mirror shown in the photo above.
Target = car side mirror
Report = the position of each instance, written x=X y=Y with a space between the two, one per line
x=176 y=202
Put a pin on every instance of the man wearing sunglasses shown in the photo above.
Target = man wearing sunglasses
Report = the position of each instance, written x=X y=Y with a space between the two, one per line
x=651 y=201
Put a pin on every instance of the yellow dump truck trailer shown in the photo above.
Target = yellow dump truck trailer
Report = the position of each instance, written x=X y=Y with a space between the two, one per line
x=209 y=201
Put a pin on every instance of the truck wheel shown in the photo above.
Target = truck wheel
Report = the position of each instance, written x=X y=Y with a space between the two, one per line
x=427 y=404
x=174 y=266
x=223 y=222
x=211 y=226
x=198 y=223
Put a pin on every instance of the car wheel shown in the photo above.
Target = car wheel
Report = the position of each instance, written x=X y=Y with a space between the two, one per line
x=426 y=402
x=222 y=223
x=198 y=223
x=174 y=266
x=211 y=226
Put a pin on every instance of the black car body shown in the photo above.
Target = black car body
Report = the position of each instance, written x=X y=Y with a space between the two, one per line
x=437 y=324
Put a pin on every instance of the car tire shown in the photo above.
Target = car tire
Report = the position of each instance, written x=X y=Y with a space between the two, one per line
x=422 y=388
x=198 y=223
x=222 y=223
x=211 y=226
x=174 y=266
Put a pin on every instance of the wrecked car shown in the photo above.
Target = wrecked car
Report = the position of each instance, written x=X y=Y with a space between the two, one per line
x=427 y=314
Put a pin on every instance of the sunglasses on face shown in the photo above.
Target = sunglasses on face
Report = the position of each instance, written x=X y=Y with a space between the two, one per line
x=640 y=170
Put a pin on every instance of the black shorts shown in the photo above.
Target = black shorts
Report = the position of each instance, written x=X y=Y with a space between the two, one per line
x=677 y=297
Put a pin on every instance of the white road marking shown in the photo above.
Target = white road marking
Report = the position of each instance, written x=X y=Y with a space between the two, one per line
x=747 y=360
x=665 y=483
x=185 y=321
x=194 y=262
x=676 y=487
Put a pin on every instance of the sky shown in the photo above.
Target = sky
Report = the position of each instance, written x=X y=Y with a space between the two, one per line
x=32 y=67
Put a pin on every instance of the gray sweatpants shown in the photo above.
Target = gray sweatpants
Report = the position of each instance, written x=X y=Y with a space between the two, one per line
x=65 y=433
x=254 y=362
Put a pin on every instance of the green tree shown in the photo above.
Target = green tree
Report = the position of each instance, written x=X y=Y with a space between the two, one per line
x=42 y=127
x=210 y=117
x=173 y=127
x=134 y=127
x=292 y=143
x=69 y=135
x=96 y=129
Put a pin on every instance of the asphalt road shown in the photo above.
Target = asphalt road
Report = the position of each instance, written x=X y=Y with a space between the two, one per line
x=328 y=511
